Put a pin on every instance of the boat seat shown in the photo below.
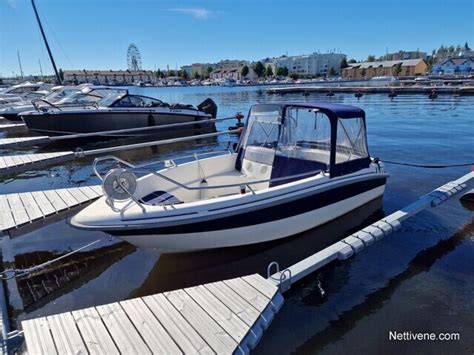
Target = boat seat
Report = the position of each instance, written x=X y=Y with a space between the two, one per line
x=160 y=197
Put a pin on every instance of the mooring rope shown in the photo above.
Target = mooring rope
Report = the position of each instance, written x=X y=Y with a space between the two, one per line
x=427 y=166
x=14 y=273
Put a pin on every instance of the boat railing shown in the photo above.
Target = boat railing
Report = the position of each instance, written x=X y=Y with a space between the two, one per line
x=119 y=184
x=37 y=108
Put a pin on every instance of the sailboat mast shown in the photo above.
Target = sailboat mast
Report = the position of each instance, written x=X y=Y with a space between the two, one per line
x=19 y=63
x=41 y=70
x=58 y=78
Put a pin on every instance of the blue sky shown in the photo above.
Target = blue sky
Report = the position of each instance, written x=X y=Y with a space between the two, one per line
x=94 y=34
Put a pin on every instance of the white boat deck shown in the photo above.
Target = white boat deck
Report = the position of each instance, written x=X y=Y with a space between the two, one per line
x=22 y=212
x=225 y=317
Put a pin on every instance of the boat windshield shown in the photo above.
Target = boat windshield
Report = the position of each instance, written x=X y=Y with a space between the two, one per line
x=22 y=89
x=132 y=101
x=305 y=135
x=60 y=94
x=261 y=136
x=111 y=96
x=87 y=96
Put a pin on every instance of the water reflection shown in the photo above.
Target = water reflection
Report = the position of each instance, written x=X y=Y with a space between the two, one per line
x=65 y=275
x=174 y=271
x=349 y=319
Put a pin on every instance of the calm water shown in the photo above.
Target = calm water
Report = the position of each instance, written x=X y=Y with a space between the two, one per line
x=420 y=279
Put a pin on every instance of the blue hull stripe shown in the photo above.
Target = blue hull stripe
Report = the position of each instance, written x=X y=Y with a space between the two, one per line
x=265 y=214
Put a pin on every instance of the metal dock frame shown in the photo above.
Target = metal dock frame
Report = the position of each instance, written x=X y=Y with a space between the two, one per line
x=356 y=242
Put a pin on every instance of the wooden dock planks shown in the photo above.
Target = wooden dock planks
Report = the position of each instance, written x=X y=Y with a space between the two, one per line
x=12 y=125
x=10 y=164
x=13 y=142
x=26 y=208
x=206 y=319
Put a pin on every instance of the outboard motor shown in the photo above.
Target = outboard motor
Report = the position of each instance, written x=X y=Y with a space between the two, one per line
x=208 y=106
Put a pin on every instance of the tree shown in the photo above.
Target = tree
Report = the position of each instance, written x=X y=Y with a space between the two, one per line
x=397 y=69
x=196 y=75
x=159 y=74
x=209 y=71
x=282 y=71
x=294 y=76
x=352 y=61
x=171 y=73
x=269 y=71
x=343 y=63
x=466 y=46
x=259 y=69
x=185 y=75
x=245 y=71
x=61 y=74
x=332 y=72
x=371 y=58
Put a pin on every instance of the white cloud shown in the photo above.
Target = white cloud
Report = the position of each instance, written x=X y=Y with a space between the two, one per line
x=198 y=13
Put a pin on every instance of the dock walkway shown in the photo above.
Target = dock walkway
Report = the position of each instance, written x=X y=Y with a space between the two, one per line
x=22 y=212
x=14 y=164
x=225 y=317
x=15 y=142
x=11 y=125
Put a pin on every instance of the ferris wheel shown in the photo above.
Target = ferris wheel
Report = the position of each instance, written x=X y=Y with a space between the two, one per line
x=134 y=61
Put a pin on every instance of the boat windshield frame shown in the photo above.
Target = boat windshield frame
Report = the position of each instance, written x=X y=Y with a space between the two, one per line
x=95 y=92
x=346 y=136
x=115 y=102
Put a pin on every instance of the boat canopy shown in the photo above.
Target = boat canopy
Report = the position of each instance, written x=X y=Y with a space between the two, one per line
x=304 y=138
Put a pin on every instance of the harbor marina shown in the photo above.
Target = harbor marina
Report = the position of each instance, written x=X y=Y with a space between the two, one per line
x=186 y=277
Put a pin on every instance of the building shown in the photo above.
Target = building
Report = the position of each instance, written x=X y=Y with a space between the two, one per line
x=454 y=66
x=109 y=77
x=233 y=73
x=199 y=68
x=410 y=67
x=405 y=55
x=315 y=64
x=231 y=63
x=203 y=68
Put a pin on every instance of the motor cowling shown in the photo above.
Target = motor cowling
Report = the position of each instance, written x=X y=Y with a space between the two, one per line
x=208 y=106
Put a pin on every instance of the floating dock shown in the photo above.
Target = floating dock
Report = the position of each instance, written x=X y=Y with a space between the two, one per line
x=25 y=211
x=14 y=164
x=12 y=125
x=225 y=317
x=358 y=241
x=20 y=141
x=400 y=90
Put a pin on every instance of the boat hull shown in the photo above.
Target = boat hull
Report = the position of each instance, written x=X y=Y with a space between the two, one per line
x=257 y=226
x=11 y=116
x=70 y=123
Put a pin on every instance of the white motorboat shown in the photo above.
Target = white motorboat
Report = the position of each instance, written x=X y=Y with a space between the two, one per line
x=22 y=92
x=40 y=98
x=297 y=166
